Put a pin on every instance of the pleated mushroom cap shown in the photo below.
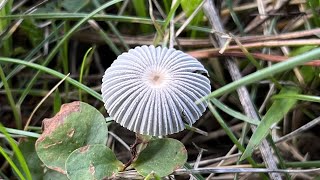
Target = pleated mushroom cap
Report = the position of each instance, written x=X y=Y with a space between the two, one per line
x=152 y=91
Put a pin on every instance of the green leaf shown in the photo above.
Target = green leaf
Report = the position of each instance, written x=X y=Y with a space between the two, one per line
x=27 y=149
x=275 y=113
x=92 y=162
x=54 y=175
x=77 y=124
x=161 y=157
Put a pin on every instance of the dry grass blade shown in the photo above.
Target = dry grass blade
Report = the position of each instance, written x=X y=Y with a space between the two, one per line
x=134 y=174
x=299 y=130
x=42 y=100
x=207 y=53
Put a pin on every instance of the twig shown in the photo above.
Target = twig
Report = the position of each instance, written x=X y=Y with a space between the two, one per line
x=84 y=36
x=206 y=53
x=223 y=160
x=299 y=130
x=134 y=174
x=261 y=19
x=242 y=170
x=214 y=160
x=125 y=145
x=254 y=5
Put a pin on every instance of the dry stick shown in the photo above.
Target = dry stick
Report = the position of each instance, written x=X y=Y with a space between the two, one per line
x=141 y=40
x=134 y=174
x=240 y=170
x=272 y=43
x=196 y=164
x=299 y=130
x=294 y=152
x=159 y=9
x=259 y=20
x=243 y=93
x=290 y=35
x=253 y=5
x=211 y=161
x=206 y=53
x=275 y=43
x=234 y=148
x=125 y=145
x=171 y=31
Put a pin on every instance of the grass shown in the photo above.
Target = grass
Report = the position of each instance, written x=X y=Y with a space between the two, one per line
x=39 y=49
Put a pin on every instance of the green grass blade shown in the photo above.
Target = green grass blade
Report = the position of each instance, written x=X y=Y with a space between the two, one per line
x=82 y=69
x=235 y=17
x=56 y=101
x=300 y=97
x=34 y=78
x=233 y=113
x=17 y=152
x=74 y=28
x=64 y=39
x=197 y=176
x=54 y=73
x=265 y=73
x=166 y=4
x=6 y=43
x=99 y=17
x=107 y=39
x=13 y=166
x=22 y=133
x=31 y=54
x=140 y=9
x=170 y=15
x=275 y=113
x=189 y=7
x=113 y=28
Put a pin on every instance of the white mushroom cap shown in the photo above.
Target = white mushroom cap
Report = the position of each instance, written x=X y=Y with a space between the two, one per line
x=152 y=91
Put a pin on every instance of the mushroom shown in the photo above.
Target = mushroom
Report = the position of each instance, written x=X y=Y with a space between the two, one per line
x=152 y=91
